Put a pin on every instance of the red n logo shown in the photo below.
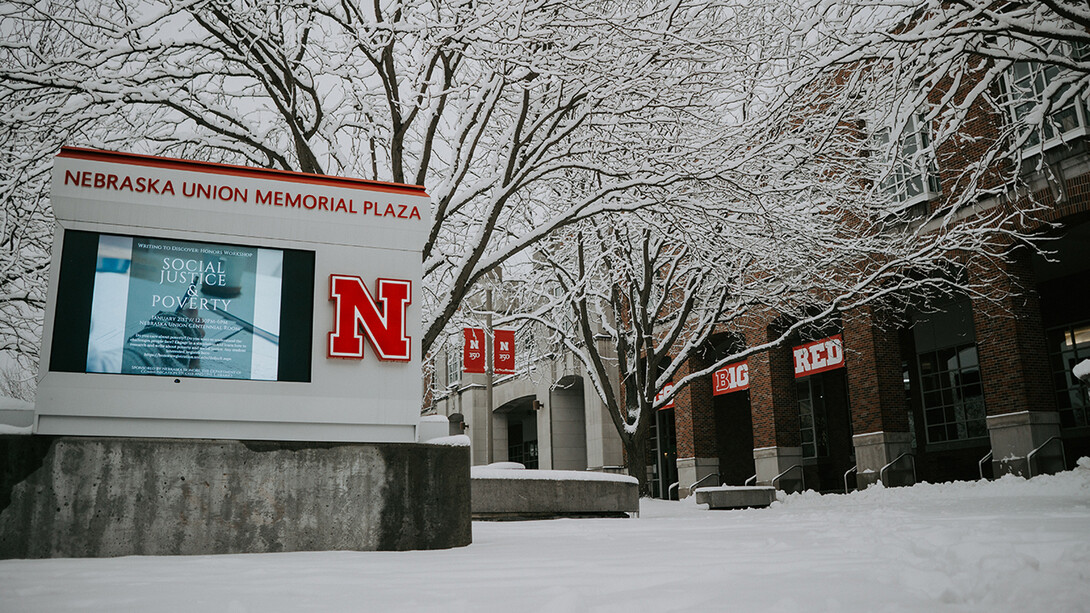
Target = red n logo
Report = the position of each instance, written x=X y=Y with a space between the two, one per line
x=356 y=308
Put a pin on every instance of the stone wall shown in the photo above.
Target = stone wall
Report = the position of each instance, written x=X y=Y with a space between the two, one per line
x=102 y=497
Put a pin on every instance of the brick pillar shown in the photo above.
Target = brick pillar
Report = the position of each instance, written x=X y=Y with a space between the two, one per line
x=694 y=420
x=776 y=439
x=872 y=352
x=1013 y=363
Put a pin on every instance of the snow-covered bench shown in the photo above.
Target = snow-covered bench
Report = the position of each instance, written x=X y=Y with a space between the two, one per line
x=736 y=496
x=508 y=491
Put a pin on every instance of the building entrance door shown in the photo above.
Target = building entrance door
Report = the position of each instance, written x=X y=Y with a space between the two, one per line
x=663 y=443
x=734 y=437
x=825 y=429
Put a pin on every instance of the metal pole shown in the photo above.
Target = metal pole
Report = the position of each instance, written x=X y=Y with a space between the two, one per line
x=488 y=371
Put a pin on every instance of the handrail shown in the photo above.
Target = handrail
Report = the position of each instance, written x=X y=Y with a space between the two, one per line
x=793 y=467
x=882 y=473
x=700 y=480
x=1029 y=456
x=846 y=473
x=753 y=479
x=980 y=464
x=669 y=490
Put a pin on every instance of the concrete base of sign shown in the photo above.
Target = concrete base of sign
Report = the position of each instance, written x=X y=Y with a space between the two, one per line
x=510 y=493
x=736 y=497
x=102 y=497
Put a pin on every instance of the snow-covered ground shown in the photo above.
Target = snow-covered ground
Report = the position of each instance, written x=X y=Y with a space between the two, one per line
x=1009 y=545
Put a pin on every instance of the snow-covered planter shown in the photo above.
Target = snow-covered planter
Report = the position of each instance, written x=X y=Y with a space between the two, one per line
x=506 y=490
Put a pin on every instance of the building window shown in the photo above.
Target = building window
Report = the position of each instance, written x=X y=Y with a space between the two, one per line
x=1067 y=346
x=454 y=360
x=1030 y=83
x=913 y=176
x=953 y=398
x=812 y=422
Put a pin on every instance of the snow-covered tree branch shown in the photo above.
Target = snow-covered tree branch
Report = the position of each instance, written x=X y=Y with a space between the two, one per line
x=643 y=292
x=484 y=103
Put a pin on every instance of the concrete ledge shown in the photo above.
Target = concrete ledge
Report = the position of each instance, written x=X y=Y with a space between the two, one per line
x=513 y=493
x=16 y=417
x=736 y=497
x=15 y=414
x=102 y=497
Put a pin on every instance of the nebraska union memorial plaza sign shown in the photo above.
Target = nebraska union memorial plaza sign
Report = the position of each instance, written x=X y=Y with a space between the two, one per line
x=197 y=300
x=230 y=364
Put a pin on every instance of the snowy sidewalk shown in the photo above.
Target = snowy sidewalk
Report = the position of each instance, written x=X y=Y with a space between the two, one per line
x=1009 y=545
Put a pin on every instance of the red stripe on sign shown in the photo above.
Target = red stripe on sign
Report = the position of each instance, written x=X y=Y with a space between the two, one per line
x=152 y=161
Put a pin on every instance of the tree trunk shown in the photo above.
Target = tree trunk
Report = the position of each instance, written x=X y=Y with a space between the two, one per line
x=636 y=462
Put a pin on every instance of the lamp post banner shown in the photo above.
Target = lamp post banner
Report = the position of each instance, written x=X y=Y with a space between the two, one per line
x=473 y=357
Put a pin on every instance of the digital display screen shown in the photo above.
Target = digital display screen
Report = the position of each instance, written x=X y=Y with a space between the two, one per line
x=174 y=308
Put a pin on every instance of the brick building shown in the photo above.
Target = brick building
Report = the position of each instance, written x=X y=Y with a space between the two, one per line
x=971 y=386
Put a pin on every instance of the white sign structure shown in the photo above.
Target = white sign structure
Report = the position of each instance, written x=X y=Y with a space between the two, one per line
x=198 y=300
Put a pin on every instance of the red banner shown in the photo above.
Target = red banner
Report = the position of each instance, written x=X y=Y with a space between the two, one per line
x=819 y=356
x=666 y=389
x=731 y=378
x=503 y=352
x=473 y=351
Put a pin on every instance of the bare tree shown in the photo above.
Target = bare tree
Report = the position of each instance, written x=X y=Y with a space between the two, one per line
x=643 y=292
x=1007 y=79
x=484 y=103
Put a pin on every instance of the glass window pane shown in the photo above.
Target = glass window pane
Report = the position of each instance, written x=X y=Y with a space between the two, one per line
x=948 y=396
x=1067 y=119
x=914 y=186
x=932 y=399
x=947 y=359
x=949 y=413
x=974 y=410
x=955 y=410
x=933 y=416
x=1067 y=346
x=952 y=432
x=927 y=363
x=972 y=391
x=977 y=428
x=968 y=377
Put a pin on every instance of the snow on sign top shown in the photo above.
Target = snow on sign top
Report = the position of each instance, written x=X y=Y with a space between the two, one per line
x=392 y=215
